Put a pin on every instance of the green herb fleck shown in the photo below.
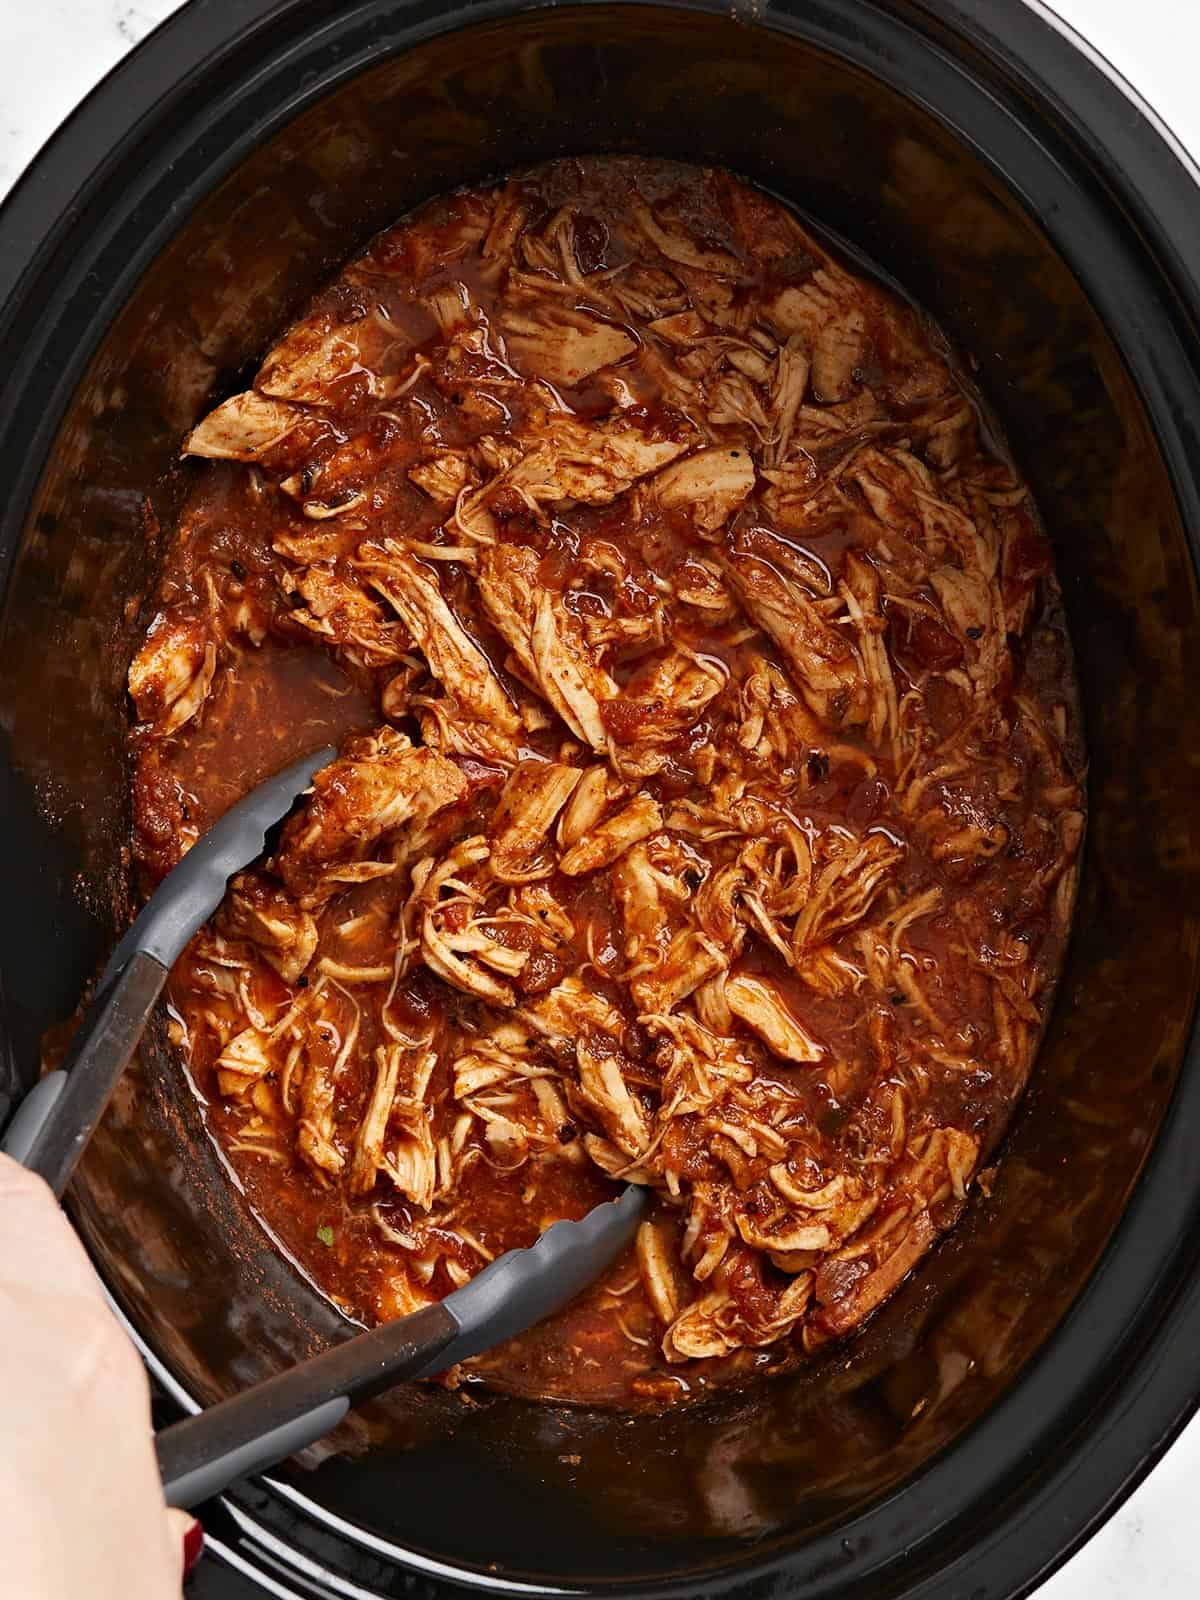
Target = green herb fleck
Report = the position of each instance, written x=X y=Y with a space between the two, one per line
x=325 y=1234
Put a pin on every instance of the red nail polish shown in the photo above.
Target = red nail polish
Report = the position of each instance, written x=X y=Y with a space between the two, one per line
x=193 y=1544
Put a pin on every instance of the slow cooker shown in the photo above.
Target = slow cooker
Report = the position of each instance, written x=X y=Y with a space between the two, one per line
x=1031 y=1371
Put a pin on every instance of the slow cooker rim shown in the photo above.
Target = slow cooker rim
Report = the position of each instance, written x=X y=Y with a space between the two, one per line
x=1141 y=1424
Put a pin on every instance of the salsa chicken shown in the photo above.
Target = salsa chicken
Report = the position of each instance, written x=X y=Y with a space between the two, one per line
x=709 y=788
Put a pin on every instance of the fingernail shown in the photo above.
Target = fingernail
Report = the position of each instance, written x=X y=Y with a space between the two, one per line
x=193 y=1544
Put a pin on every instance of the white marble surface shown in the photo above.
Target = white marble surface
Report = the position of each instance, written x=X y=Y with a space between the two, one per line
x=53 y=51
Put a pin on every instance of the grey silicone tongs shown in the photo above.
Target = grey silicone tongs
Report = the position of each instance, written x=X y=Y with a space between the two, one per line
x=252 y=1431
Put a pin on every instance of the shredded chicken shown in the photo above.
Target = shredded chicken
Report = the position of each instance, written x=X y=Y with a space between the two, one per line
x=378 y=784
x=593 y=464
x=696 y=821
x=547 y=640
x=261 y=912
x=412 y=590
x=318 y=351
x=564 y=346
x=761 y=1007
x=244 y=428
x=533 y=797
x=708 y=486
x=172 y=673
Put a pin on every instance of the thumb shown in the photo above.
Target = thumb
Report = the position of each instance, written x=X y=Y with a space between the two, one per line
x=187 y=1536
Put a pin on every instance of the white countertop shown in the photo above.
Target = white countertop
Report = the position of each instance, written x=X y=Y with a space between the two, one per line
x=53 y=51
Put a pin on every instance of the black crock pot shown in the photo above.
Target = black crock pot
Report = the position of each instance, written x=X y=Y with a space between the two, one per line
x=1033 y=1370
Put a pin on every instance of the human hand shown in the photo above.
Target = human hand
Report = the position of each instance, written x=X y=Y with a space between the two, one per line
x=81 y=1504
